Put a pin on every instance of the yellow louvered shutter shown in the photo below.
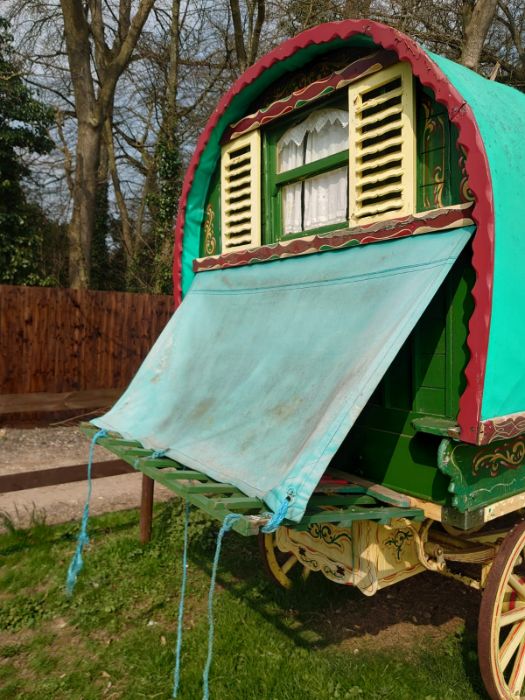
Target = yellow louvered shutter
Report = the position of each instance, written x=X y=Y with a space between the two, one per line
x=382 y=146
x=241 y=192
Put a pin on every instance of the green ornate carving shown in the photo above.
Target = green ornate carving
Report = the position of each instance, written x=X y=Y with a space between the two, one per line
x=482 y=475
x=319 y=531
x=398 y=540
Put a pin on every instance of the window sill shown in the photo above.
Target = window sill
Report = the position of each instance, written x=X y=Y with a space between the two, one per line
x=318 y=231
x=421 y=223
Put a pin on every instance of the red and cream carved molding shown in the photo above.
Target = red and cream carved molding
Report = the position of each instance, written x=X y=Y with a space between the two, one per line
x=315 y=91
x=501 y=428
x=421 y=223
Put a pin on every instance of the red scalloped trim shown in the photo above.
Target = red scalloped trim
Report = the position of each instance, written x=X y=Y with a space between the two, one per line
x=477 y=169
x=435 y=221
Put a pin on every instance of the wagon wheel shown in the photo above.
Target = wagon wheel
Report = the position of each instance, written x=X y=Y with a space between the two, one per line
x=501 y=631
x=282 y=567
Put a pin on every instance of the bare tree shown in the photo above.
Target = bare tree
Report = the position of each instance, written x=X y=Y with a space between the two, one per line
x=477 y=33
x=131 y=95
x=89 y=55
x=168 y=162
x=247 y=30
x=175 y=79
x=509 y=51
x=478 y=16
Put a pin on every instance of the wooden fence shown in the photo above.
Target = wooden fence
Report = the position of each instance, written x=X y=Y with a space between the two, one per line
x=69 y=349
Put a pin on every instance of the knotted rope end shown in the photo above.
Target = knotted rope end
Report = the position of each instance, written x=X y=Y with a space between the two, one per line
x=280 y=514
x=77 y=562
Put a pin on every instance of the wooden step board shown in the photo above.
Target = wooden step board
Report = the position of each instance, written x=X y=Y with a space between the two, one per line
x=339 y=498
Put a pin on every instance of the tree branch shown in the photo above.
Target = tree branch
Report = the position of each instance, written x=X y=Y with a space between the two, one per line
x=121 y=59
x=254 y=43
x=240 y=49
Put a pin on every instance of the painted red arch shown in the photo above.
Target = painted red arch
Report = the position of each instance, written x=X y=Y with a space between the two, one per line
x=477 y=168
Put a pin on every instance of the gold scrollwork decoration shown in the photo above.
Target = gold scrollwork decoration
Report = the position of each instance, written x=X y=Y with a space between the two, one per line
x=210 y=244
x=439 y=185
x=466 y=193
x=509 y=456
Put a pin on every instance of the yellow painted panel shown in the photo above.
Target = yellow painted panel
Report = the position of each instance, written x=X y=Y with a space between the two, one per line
x=382 y=146
x=241 y=192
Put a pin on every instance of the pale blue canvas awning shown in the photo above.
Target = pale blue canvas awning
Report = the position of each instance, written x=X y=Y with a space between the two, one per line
x=263 y=369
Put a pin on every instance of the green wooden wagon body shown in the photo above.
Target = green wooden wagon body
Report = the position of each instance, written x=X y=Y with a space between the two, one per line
x=349 y=136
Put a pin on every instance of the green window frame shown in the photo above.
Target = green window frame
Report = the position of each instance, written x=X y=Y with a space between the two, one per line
x=274 y=182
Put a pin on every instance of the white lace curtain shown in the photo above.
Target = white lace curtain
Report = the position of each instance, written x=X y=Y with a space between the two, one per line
x=323 y=199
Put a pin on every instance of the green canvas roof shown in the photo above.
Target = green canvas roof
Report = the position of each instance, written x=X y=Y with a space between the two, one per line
x=490 y=119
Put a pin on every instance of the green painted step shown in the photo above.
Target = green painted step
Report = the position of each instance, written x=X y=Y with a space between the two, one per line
x=341 y=503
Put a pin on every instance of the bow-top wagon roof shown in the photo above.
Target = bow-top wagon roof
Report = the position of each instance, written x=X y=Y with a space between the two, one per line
x=490 y=120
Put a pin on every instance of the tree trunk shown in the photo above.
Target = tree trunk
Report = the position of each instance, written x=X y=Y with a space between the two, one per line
x=238 y=36
x=84 y=204
x=89 y=55
x=477 y=20
x=168 y=164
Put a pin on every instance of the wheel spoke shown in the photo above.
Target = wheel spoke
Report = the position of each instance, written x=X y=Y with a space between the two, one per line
x=518 y=671
x=292 y=561
x=511 y=643
x=507 y=600
x=517 y=585
x=306 y=573
x=514 y=615
x=283 y=566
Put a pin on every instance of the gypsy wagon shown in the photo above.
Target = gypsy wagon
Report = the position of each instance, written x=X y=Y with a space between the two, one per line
x=347 y=363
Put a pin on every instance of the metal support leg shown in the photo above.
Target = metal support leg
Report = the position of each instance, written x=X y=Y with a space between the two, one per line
x=146 y=508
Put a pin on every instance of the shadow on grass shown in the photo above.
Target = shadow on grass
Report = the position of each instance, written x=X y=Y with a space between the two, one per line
x=335 y=613
x=317 y=613
x=126 y=585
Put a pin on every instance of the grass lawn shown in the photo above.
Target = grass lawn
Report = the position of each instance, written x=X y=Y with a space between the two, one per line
x=115 y=637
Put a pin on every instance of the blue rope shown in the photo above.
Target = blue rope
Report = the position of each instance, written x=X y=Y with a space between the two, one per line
x=77 y=562
x=156 y=454
x=176 y=673
x=278 y=517
x=227 y=525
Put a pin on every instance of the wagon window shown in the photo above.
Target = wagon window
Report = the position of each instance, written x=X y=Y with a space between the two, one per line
x=347 y=162
x=311 y=198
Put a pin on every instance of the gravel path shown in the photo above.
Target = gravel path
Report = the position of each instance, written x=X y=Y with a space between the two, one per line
x=23 y=450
